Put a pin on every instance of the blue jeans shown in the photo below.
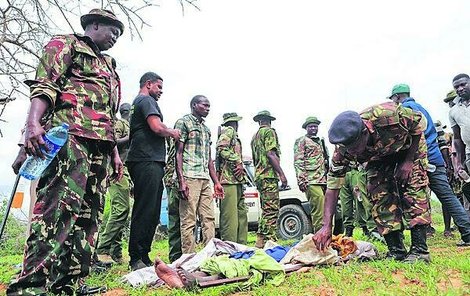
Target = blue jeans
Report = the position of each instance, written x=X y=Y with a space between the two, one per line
x=439 y=184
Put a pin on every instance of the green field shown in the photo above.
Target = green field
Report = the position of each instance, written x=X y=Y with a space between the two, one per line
x=448 y=274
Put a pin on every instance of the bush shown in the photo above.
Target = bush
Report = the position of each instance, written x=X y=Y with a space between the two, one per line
x=14 y=235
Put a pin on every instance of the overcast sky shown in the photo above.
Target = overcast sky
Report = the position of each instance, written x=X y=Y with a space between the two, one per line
x=293 y=58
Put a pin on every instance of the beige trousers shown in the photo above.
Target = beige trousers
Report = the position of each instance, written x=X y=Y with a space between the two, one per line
x=199 y=205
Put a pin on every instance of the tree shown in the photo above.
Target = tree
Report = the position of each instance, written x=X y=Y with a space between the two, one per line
x=25 y=26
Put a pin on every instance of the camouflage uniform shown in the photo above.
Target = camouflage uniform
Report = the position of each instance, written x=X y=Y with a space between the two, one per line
x=391 y=128
x=266 y=179
x=118 y=198
x=233 y=211
x=310 y=168
x=82 y=89
x=353 y=196
x=171 y=184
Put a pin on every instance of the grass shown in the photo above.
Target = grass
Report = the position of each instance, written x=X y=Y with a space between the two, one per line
x=448 y=274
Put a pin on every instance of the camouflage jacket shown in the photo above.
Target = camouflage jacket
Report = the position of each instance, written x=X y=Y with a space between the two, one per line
x=122 y=130
x=264 y=141
x=309 y=161
x=196 y=137
x=229 y=155
x=80 y=84
x=391 y=128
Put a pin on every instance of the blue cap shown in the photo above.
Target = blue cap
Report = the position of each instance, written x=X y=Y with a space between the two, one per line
x=345 y=128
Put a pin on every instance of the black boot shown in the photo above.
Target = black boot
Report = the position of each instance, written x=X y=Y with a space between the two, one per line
x=365 y=231
x=419 y=248
x=396 y=248
x=349 y=231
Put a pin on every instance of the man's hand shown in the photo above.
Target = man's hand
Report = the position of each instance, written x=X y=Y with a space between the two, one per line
x=218 y=191
x=239 y=171
x=175 y=134
x=33 y=141
x=303 y=187
x=403 y=173
x=18 y=162
x=117 y=165
x=184 y=190
x=322 y=238
x=283 y=181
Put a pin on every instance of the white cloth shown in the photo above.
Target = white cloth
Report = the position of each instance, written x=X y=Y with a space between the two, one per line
x=306 y=252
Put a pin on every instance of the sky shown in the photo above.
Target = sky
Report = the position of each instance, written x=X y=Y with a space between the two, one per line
x=295 y=58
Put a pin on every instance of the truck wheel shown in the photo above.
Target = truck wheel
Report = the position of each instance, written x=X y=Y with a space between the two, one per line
x=293 y=222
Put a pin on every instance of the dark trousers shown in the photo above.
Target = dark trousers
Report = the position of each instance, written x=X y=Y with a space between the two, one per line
x=440 y=186
x=148 y=188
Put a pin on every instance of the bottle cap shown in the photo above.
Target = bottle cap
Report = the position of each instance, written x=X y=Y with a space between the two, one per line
x=65 y=125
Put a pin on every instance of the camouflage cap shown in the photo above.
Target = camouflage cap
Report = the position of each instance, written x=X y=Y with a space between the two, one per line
x=125 y=107
x=263 y=114
x=101 y=15
x=345 y=128
x=450 y=96
x=227 y=117
x=311 y=119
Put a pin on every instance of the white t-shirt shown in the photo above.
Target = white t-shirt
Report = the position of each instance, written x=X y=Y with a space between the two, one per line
x=459 y=115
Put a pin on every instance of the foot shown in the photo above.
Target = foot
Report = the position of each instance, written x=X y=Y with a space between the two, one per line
x=87 y=290
x=189 y=281
x=146 y=260
x=168 y=275
x=463 y=244
x=448 y=234
x=137 y=265
x=430 y=231
x=415 y=257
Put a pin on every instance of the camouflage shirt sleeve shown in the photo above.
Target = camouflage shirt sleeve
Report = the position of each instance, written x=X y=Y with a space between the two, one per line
x=225 y=148
x=270 y=141
x=299 y=162
x=56 y=59
x=337 y=171
x=411 y=120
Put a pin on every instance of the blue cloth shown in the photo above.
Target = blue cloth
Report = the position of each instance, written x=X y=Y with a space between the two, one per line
x=434 y=153
x=278 y=252
x=242 y=255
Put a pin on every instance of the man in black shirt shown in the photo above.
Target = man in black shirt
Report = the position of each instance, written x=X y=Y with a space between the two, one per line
x=146 y=161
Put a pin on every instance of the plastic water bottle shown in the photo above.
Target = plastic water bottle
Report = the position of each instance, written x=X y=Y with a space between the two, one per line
x=54 y=139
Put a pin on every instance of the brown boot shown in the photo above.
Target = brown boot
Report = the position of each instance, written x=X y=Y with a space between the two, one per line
x=259 y=241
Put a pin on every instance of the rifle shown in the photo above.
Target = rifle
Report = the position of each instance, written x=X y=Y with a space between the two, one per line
x=325 y=154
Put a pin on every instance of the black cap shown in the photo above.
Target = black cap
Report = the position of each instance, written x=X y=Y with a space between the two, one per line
x=346 y=128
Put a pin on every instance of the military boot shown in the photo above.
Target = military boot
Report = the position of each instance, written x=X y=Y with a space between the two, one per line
x=396 y=248
x=419 y=248
x=260 y=241
x=349 y=231
x=365 y=231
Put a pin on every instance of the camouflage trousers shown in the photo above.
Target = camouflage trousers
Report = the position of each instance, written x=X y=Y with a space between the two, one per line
x=65 y=219
x=270 y=203
x=390 y=204
x=118 y=197
x=174 y=231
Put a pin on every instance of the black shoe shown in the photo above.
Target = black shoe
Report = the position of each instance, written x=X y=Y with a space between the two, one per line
x=430 y=231
x=463 y=244
x=419 y=248
x=349 y=231
x=137 y=265
x=146 y=260
x=100 y=267
x=86 y=290
x=396 y=248
x=365 y=231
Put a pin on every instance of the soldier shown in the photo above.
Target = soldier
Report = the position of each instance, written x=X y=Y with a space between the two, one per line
x=353 y=197
x=171 y=185
x=195 y=168
x=266 y=152
x=437 y=172
x=109 y=248
x=390 y=139
x=78 y=84
x=233 y=211
x=311 y=165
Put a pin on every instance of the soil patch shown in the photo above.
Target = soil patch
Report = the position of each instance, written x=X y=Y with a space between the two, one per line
x=399 y=276
x=451 y=279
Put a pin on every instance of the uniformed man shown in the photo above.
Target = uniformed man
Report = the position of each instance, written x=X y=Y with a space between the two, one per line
x=390 y=138
x=78 y=84
x=266 y=152
x=229 y=160
x=311 y=165
x=109 y=248
x=355 y=204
